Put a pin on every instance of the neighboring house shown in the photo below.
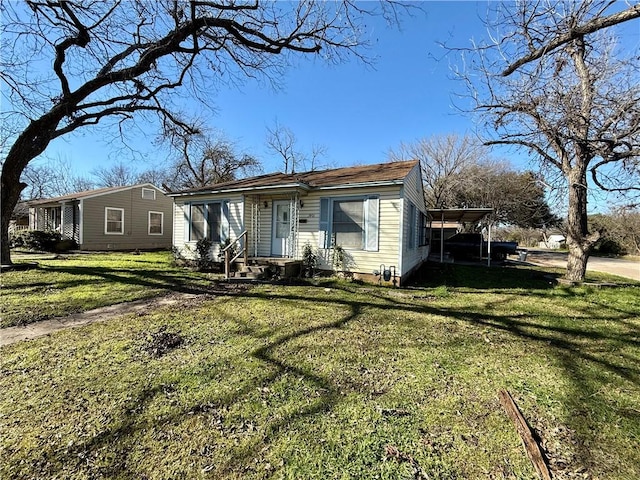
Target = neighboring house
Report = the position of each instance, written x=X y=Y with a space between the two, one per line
x=115 y=218
x=376 y=213
x=553 y=242
x=19 y=218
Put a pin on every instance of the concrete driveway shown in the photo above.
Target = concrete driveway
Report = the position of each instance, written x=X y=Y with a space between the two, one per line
x=614 y=266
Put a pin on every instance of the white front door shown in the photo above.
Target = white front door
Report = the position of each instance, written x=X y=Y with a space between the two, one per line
x=281 y=228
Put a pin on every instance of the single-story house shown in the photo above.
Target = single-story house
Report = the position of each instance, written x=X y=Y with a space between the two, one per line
x=114 y=218
x=19 y=218
x=553 y=242
x=376 y=214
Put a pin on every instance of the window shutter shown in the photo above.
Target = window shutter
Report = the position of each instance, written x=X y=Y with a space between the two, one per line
x=224 y=228
x=323 y=233
x=186 y=208
x=371 y=227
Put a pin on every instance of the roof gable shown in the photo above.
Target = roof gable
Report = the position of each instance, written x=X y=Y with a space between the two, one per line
x=91 y=193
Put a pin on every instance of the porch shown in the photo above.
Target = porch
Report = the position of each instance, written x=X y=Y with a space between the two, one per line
x=260 y=267
x=60 y=217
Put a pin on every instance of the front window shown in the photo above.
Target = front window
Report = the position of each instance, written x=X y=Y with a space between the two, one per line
x=206 y=221
x=155 y=223
x=114 y=221
x=348 y=223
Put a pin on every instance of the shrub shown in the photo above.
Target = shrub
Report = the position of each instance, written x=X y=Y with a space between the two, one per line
x=309 y=260
x=203 y=252
x=41 y=240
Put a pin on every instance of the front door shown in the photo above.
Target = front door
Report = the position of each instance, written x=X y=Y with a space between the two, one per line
x=281 y=228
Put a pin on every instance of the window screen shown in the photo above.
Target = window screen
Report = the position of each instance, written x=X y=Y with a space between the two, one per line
x=155 y=223
x=198 y=223
x=215 y=221
x=114 y=222
x=348 y=223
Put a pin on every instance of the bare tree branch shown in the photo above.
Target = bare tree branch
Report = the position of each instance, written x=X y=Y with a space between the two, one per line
x=593 y=25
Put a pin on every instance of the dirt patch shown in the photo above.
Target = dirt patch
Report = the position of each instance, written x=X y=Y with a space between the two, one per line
x=34 y=330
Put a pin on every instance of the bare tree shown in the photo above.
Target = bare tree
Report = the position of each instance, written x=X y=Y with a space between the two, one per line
x=102 y=63
x=517 y=198
x=576 y=108
x=203 y=160
x=283 y=142
x=52 y=179
x=458 y=173
x=442 y=159
x=117 y=175
x=561 y=38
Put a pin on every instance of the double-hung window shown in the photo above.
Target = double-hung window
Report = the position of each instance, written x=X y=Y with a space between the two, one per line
x=350 y=222
x=155 y=223
x=205 y=221
x=114 y=221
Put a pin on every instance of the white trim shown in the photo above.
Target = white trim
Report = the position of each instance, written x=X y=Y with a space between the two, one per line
x=105 y=221
x=149 y=223
x=401 y=232
x=149 y=190
x=80 y=223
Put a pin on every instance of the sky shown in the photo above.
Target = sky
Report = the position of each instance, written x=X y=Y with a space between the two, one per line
x=358 y=112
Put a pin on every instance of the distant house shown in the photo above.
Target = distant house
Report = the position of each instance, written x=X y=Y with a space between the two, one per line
x=115 y=218
x=19 y=217
x=375 y=213
x=553 y=242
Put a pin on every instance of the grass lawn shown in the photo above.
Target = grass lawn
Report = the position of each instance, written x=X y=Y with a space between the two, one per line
x=73 y=283
x=334 y=381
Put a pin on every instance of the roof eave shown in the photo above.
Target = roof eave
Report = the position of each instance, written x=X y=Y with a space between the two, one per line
x=289 y=186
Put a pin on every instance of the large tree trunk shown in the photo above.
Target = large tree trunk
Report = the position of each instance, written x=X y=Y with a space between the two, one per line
x=10 y=194
x=579 y=241
x=31 y=143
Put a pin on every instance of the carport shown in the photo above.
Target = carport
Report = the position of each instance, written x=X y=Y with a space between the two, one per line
x=457 y=215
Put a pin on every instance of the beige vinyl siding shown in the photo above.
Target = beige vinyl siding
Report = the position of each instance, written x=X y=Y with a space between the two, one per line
x=390 y=208
x=180 y=214
x=136 y=221
x=412 y=192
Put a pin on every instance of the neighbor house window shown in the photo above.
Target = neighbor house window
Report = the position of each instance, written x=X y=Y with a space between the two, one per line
x=205 y=221
x=114 y=221
x=155 y=223
x=350 y=222
x=148 y=194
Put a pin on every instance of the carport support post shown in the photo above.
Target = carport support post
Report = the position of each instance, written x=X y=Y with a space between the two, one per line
x=442 y=236
x=489 y=247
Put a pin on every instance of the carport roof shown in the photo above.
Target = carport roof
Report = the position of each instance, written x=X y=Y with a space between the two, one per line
x=461 y=215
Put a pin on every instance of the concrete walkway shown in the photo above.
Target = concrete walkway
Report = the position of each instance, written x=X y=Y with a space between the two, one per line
x=17 y=334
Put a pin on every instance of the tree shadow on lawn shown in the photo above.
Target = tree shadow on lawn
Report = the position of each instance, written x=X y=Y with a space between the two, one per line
x=588 y=369
x=589 y=355
x=118 y=439
x=153 y=278
x=481 y=277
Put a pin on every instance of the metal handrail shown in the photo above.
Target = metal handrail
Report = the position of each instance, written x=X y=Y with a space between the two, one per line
x=227 y=254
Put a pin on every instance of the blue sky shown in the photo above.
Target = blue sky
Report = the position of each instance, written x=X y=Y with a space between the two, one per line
x=358 y=112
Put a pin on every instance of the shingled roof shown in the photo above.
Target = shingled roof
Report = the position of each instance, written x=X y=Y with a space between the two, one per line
x=356 y=176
